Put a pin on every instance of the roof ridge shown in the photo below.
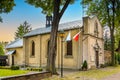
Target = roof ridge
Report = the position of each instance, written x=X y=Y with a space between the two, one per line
x=62 y=26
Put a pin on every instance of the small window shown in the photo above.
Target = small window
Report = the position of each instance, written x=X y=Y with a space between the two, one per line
x=69 y=48
x=33 y=49
x=96 y=29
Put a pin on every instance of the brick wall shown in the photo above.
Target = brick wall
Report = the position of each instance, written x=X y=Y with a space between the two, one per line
x=32 y=76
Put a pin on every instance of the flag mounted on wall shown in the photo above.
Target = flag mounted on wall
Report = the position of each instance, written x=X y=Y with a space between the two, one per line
x=68 y=38
x=76 y=37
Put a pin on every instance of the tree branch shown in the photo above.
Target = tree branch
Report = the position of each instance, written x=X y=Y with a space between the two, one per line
x=64 y=8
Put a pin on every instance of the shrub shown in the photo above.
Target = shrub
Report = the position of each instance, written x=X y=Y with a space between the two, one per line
x=4 y=67
x=14 y=67
x=34 y=69
x=102 y=65
x=119 y=58
x=85 y=65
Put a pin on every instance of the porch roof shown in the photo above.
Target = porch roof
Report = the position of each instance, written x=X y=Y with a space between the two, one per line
x=15 y=44
x=10 y=52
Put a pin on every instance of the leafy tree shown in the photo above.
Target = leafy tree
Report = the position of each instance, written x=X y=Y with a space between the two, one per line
x=6 y=6
x=117 y=39
x=1 y=50
x=108 y=13
x=52 y=7
x=107 y=41
x=22 y=29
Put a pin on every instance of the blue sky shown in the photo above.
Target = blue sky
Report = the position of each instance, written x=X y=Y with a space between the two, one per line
x=25 y=12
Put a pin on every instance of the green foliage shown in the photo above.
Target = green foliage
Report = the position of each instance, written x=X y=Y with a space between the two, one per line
x=6 y=6
x=107 y=44
x=14 y=67
x=117 y=58
x=46 y=5
x=103 y=9
x=34 y=69
x=85 y=65
x=22 y=29
x=102 y=65
x=1 y=50
x=117 y=37
x=5 y=67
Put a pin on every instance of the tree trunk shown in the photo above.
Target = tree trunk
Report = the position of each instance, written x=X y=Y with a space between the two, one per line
x=57 y=14
x=53 y=39
x=112 y=47
x=112 y=32
x=111 y=25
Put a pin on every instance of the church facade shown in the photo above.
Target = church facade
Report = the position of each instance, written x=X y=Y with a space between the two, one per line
x=32 y=50
x=89 y=47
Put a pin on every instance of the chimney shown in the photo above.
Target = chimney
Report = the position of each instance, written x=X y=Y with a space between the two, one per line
x=48 y=21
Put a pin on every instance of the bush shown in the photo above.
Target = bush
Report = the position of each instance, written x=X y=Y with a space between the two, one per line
x=85 y=65
x=117 y=58
x=102 y=65
x=15 y=68
x=4 y=67
x=34 y=69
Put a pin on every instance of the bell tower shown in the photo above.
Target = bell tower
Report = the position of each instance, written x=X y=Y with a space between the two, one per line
x=48 y=21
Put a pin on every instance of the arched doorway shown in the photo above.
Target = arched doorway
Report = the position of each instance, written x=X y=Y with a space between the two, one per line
x=97 y=59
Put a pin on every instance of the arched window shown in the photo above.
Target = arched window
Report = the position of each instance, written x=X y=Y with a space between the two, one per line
x=33 y=49
x=96 y=29
x=69 y=48
x=48 y=46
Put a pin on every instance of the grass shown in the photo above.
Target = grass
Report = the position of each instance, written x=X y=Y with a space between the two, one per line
x=8 y=72
x=97 y=74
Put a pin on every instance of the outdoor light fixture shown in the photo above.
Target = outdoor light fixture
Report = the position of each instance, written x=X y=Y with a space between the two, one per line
x=62 y=34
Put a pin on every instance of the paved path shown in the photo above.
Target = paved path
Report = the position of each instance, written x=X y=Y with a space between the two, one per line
x=113 y=77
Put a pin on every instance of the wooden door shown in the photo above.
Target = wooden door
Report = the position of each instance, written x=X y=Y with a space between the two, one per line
x=12 y=59
x=97 y=59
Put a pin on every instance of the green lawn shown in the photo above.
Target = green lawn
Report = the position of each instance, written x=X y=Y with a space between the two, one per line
x=97 y=74
x=8 y=72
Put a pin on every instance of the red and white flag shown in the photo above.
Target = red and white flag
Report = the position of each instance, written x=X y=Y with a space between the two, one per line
x=76 y=37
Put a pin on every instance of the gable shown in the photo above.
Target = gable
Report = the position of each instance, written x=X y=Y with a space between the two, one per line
x=95 y=27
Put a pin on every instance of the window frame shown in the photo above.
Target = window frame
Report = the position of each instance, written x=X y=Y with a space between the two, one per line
x=69 y=50
x=32 y=49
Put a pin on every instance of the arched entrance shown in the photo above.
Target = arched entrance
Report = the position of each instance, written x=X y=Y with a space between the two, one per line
x=96 y=48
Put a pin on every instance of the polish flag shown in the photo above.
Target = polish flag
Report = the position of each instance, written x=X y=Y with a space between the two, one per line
x=76 y=37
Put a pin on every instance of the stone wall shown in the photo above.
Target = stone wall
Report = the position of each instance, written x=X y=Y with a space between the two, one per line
x=32 y=76
x=107 y=56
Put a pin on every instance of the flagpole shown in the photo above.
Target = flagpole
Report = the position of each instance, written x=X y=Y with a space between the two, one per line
x=79 y=51
x=83 y=28
x=82 y=33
